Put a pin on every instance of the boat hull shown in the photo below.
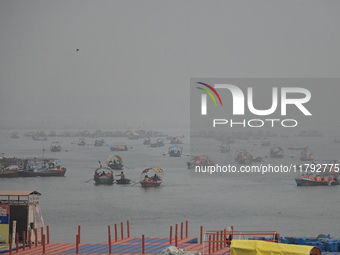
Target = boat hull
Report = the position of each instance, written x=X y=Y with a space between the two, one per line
x=45 y=173
x=307 y=182
x=123 y=181
x=150 y=184
x=103 y=180
x=9 y=174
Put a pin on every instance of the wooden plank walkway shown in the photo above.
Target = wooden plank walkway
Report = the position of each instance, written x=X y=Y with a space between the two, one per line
x=127 y=246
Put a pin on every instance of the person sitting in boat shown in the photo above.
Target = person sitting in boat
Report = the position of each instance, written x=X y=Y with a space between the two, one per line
x=155 y=178
x=311 y=177
x=318 y=178
x=103 y=173
x=122 y=175
x=325 y=179
x=146 y=178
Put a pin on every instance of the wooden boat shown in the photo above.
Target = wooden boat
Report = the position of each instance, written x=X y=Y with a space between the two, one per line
x=9 y=172
x=115 y=162
x=176 y=140
x=118 y=147
x=318 y=180
x=159 y=143
x=153 y=181
x=123 y=181
x=244 y=157
x=306 y=155
x=15 y=135
x=81 y=142
x=276 y=152
x=225 y=148
x=175 y=151
x=99 y=143
x=201 y=160
x=103 y=176
x=39 y=138
x=297 y=148
x=55 y=147
x=55 y=172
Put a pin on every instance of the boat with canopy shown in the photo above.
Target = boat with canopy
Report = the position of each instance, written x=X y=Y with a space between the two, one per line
x=155 y=180
x=115 y=162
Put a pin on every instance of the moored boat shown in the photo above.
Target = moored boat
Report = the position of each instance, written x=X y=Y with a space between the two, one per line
x=317 y=180
x=99 y=143
x=37 y=137
x=151 y=181
x=159 y=143
x=9 y=172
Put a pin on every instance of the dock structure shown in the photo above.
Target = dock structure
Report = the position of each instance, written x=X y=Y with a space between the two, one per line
x=119 y=244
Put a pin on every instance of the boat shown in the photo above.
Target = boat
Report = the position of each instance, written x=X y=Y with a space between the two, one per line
x=265 y=142
x=244 y=157
x=159 y=143
x=147 y=141
x=9 y=172
x=175 y=151
x=297 y=148
x=225 y=148
x=49 y=168
x=318 y=179
x=306 y=155
x=176 y=140
x=115 y=162
x=153 y=181
x=103 y=175
x=276 y=152
x=99 y=143
x=55 y=147
x=118 y=147
x=15 y=135
x=201 y=160
x=37 y=137
x=123 y=181
x=336 y=139
x=81 y=142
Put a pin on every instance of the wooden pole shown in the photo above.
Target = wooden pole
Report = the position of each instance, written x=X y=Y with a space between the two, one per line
x=30 y=239
x=36 y=237
x=201 y=241
x=10 y=243
x=23 y=240
x=170 y=239
x=116 y=234
x=128 y=228
x=48 y=234
x=122 y=230
x=186 y=229
x=17 y=242
x=79 y=233
x=43 y=243
x=143 y=244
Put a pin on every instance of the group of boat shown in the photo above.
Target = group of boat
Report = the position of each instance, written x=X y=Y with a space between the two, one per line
x=31 y=167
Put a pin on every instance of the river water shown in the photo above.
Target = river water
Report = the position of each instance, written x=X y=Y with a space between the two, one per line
x=247 y=201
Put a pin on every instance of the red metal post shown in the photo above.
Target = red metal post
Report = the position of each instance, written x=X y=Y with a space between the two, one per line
x=116 y=234
x=36 y=237
x=176 y=229
x=225 y=238
x=128 y=228
x=181 y=230
x=201 y=235
x=23 y=240
x=186 y=229
x=143 y=244
x=79 y=233
x=43 y=243
x=213 y=244
x=232 y=232
x=48 y=234
x=209 y=246
x=221 y=239
x=122 y=230
x=109 y=234
x=170 y=240
x=77 y=244
x=42 y=233
x=30 y=239
x=17 y=241
x=10 y=243
x=176 y=239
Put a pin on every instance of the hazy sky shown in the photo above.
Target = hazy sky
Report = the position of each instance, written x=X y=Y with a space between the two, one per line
x=136 y=57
